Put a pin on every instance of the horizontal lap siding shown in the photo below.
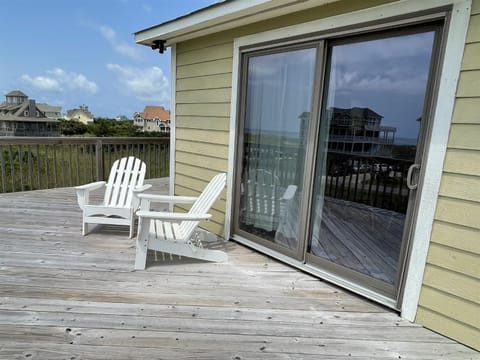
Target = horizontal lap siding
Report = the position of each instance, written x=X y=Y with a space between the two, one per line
x=203 y=91
x=450 y=297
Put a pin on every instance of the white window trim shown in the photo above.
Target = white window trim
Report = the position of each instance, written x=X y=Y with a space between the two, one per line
x=173 y=102
x=442 y=116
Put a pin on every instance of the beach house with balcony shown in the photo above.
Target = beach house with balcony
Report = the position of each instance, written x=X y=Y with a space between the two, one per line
x=21 y=116
x=153 y=118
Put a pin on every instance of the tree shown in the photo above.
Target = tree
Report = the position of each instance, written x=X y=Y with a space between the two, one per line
x=109 y=127
x=72 y=127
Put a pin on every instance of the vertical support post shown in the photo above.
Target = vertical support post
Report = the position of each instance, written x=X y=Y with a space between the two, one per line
x=99 y=159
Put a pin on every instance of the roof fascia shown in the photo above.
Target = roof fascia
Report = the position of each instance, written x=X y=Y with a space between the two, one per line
x=220 y=17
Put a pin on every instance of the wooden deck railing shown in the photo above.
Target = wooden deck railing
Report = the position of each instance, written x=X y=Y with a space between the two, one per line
x=33 y=163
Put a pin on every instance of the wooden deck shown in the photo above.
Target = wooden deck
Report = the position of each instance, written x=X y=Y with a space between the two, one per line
x=64 y=296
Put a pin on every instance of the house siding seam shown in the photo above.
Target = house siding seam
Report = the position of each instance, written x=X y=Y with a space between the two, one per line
x=450 y=296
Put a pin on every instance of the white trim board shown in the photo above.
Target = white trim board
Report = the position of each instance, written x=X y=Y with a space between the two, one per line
x=442 y=114
x=173 y=122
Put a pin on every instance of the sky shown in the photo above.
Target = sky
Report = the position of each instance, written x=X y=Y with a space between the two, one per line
x=68 y=53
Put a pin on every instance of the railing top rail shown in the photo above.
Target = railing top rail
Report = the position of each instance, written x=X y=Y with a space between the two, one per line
x=21 y=140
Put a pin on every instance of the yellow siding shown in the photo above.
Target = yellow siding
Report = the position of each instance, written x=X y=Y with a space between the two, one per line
x=203 y=96
x=448 y=326
x=456 y=236
x=471 y=56
x=469 y=83
x=211 y=109
x=459 y=186
x=473 y=34
x=450 y=297
x=462 y=161
x=203 y=122
x=452 y=306
x=452 y=283
x=466 y=110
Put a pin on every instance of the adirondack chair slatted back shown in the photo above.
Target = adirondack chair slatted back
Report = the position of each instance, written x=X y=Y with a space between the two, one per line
x=126 y=174
x=204 y=202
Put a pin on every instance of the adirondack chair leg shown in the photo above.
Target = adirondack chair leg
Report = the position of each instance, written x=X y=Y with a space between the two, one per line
x=84 y=227
x=141 y=254
x=130 y=234
x=142 y=245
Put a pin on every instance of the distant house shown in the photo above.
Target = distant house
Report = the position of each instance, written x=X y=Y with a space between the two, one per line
x=20 y=116
x=359 y=131
x=153 y=118
x=50 y=111
x=82 y=114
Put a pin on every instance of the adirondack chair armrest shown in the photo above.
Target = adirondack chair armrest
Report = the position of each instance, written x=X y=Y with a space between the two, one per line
x=137 y=191
x=141 y=189
x=289 y=193
x=91 y=186
x=168 y=198
x=169 y=216
x=83 y=192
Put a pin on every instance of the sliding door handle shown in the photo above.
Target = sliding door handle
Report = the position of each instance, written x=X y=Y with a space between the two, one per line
x=411 y=171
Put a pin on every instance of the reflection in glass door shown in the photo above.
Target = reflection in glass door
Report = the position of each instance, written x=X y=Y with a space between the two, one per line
x=277 y=104
x=370 y=132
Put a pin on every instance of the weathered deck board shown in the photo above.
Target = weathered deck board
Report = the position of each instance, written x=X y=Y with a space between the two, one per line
x=64 y=296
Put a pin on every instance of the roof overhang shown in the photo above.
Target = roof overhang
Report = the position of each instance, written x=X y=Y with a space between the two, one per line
x=221 y=16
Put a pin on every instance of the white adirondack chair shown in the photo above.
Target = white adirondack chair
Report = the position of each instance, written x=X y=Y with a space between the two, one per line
x=266 y=200
x=118 y=206
x=175 y=233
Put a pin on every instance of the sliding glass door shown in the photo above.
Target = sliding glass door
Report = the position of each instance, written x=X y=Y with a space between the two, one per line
x=277 y=105
x=332 y=135
x=367 y=155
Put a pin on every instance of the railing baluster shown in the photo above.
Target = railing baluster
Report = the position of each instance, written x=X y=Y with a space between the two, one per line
x=99 y=160
x=47 y=175
x=92 y=163
x=54 y=149
x=149 y=157
x=63 y=165
x=20 y=167
x=2 y=165
x=78 y=163
x=30 y=167
x=38 y=167
x=84 y=163
x=12 y=167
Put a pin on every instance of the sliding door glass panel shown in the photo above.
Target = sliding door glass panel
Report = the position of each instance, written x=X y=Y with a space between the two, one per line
x=369 y=130
x=278 y=98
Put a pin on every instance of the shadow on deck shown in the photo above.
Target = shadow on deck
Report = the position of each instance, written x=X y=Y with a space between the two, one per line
x=64 y=296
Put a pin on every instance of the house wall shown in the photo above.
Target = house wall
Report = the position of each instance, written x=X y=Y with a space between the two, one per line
x=449 y=299
x=203 y=90
x=450 y=296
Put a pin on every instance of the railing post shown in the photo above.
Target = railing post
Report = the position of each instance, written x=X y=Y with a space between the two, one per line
x=99 y=159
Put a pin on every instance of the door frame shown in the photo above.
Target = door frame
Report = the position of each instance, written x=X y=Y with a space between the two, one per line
x=456 y=13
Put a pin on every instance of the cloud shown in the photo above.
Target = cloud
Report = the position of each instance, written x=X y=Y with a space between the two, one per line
x=58 y=80
x=118 y=45
x=380 y=82
x=42 y=82
x=149 y=84
x=147 y=8
x=399 y=64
